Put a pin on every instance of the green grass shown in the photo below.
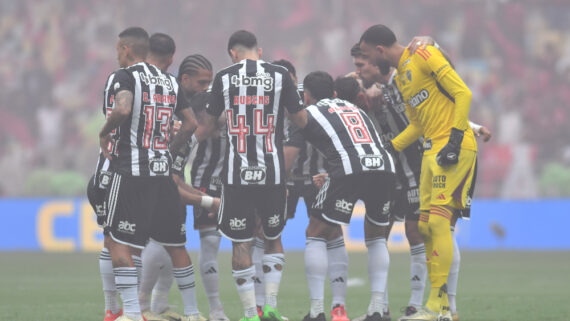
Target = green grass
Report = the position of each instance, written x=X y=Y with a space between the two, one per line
x=492 y=286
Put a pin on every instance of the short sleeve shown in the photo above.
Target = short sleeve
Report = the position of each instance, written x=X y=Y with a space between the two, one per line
x=290 y=96
x=123 y=80
x=215 y=105
x=182 y=102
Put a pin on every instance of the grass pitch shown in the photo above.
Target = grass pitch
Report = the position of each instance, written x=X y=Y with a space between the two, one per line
x=493 y=286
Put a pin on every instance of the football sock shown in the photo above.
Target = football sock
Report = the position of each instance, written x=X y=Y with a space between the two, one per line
x=418 y=274
x=245 y=287
x=316 y=263
x=386 y=303
x=337 y=270
x=209 y=245
x=108 y=277
x=187 y=286
x=272 y=271
x=441 y=257
x=165 y=279
x=153 y=258
x=126 y=282
x=257 y=252
x=137 y=262
x=453 y=274
x=378 y=264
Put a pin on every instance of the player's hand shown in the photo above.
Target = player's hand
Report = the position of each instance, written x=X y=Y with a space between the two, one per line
x=214 y=208
x=390 y=148
x=176 y=124
x=485 y=132
x=420 y=42
x=449 y=154
x=105 y=143
x=319 y=179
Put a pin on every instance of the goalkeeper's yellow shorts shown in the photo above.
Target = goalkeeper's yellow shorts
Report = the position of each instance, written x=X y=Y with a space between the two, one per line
x=447 y=185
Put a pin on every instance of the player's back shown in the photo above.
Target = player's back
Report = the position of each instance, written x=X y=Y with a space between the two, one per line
x=347 y=138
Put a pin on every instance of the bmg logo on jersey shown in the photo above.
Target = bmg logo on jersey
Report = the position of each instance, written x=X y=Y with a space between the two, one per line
x=260 y=79
x=419 y=98
x=344 y=206
x=126 y=227
x=237 y=224
x=157 y=81
x=372 y=162
x=252 y=175
x=158 y=166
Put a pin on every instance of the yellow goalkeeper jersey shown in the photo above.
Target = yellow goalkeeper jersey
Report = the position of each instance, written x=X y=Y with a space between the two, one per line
x=436 y=100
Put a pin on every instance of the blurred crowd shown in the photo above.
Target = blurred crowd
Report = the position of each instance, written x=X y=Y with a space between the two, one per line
x=514 y=55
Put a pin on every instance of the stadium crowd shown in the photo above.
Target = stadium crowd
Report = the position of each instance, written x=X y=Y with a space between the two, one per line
x=515 y=57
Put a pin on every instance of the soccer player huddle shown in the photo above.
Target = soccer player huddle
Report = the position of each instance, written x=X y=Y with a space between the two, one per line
x=395 y=134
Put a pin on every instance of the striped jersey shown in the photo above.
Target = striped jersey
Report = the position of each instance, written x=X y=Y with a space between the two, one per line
x=143 y=141
x=254 y=95
x=347 y=138
x=390 y=120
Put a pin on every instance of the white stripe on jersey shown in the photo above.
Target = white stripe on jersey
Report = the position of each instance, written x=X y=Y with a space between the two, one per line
x=135 y=170
x=276 y=100
x=151 y=93
x=319 y=118
x=259 y=139
x=226 y=88
x=242 y=111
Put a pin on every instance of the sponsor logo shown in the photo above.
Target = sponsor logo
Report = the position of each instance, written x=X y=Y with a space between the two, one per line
x=237 y=224
x=178 y=163
x=413 y=195
x=439 y=181
x=468 y=202
x=252 y=175
x=157 y=81
x=104 y=179
x=216 y=181
x=273 y=221
x=441 y=197
x=340 y=279
x=116 y=86
x=419 y=98
x=126 y=227
x=427 y=144
x=100 y=210
x=158 y=166
x=409 y=75
x=416 y=278
x=260 y=79
x=344 y=206
x=211 y=270
x=372 y=162
x=386 y=208
x=183 y=229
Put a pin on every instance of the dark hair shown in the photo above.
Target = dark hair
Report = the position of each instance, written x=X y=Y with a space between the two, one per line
x=140 y=43
x=243 y=38
x=378 y=35
x=347 y=88
x=191 y=64
x=162 y=44
x=355 y=51
x=319 y=84
x=287 y=64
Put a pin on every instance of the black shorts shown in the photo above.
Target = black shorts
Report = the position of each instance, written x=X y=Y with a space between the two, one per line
x=240 y=205
x=201 y=217
x=96 y=190
x=406 y=204
x=466 y=212
x=336 y=199
x=294 y=192
x=140 y=208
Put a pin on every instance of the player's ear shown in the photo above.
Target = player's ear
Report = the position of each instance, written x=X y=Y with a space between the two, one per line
x=334 y=94
x=259 y=52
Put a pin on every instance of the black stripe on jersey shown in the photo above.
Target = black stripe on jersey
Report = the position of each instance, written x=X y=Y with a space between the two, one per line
x=198 y=160
x=443 y=91
x=215 y=155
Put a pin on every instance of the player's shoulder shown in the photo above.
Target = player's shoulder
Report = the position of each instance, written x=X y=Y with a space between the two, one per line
x=422 y=55
x=272 y=67
x=230 y=69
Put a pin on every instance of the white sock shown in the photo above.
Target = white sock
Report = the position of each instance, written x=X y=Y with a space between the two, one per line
x=257 y=252
x=453 y=274
x=209 y=245
x=316 y=264
x=245 y=287
x=418 y=274
x=137 y=262
x=154 y=261
x=164 y=282
x=378 y=264
x=126 y=282
x=187 y=286
x=108 y=277
x=386 y=303
x=337 y=270
x=273 y=265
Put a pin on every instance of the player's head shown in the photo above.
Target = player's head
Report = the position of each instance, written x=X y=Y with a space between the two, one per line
x=162 y=48
x=318 y=85
x=132 y=47
x=365 y=70
x=195 y=74
x=243 y=44
x=347 y=88
x=376 y=44
x=289 y=66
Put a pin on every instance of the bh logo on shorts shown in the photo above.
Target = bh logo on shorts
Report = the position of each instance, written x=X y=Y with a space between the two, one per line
x=158 y=166
x=344 y=206
x=252 y=175
x=372 y=162
x=273 y=221
x=236 y=224
x=126 y=227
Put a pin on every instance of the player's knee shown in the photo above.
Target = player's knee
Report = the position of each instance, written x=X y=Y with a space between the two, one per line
x=423 y=226
x=440 y=219
x=412 y=233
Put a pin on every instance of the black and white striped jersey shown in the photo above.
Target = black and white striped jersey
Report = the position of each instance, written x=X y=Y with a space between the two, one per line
x=254 y=95
x=143 y=141
x=390 y=120
x=347 y=138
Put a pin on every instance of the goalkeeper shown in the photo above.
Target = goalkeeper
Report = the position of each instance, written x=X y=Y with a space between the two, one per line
x=437 y=104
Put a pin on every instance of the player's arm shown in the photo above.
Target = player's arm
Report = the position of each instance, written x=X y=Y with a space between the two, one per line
x=214 y=109
x=121 y=111
x=187 y=127
x=292 y=147
x=192 y=196
x=480 y=130
x=409 y=135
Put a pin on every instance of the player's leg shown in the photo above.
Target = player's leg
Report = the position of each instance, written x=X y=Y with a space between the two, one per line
x=337 y=259
x=453 y=272
x=156 y=279
x=257 y=253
